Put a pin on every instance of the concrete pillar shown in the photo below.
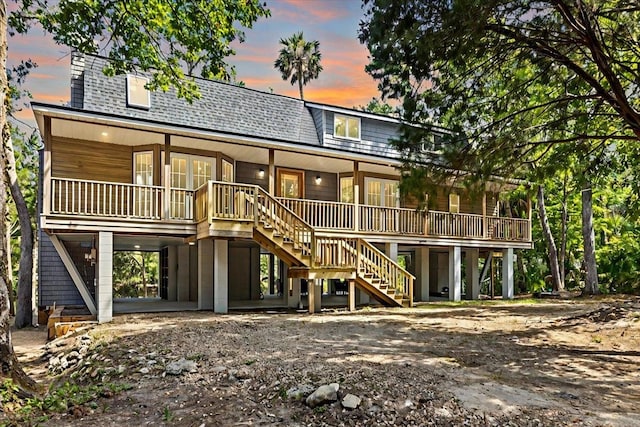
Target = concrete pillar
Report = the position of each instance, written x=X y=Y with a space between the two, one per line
x=422 y=274
x=104 y=275
x=221 y=276
x=205 y=274
x=507 y=273
x=472 y=273
x=352 y=295
x=182 y=276
x=391 y=250
x=314 y=296
x=455 y=273
x=311 y=297
x=294 y=293
x=172 y=264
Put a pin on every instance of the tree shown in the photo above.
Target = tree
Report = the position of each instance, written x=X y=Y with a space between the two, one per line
x=157 y=36
x=299 y=60
x=514 y=79
x=377 y=106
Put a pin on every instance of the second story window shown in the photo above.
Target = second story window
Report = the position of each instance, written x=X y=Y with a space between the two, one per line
x=454 y=203
x=137 y=94
x=346 y=127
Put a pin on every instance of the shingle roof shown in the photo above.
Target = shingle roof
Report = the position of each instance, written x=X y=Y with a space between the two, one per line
x=223 y=107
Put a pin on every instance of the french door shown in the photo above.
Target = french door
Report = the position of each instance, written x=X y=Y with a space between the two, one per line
x=380 y=194
x=188 y=172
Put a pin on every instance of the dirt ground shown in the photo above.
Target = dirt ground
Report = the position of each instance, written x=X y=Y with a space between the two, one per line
x=548 y=364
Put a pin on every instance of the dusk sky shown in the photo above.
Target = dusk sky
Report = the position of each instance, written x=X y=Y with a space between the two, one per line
x=334 y=23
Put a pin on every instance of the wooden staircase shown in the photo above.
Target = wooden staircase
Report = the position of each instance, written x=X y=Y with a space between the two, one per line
x=290 y=238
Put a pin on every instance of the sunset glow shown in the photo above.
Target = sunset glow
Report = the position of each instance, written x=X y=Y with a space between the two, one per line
x=333 y=23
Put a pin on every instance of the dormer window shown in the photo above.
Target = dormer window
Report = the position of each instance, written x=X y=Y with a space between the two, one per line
x=137 y=94
x=346 y=127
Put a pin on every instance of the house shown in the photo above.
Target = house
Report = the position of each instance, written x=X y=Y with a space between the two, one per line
x=239 y=177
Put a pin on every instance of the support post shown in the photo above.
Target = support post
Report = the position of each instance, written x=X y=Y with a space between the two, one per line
x=311 y=296
x=182 y=282
x=352 y=295
x=104 y=274
x=272 y=172
x=455 y=274
x=167 y=176
x=47 y=196
x=391 y=250
x=221 y=276
x=205 y=274
x=485 y=222
x=356 y=197
x=422 y=273
x=507 y=273
x=172 y=271
x=472 y=273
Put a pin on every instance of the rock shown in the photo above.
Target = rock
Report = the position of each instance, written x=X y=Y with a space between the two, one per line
x=121 y=369
x=146 y=371
x=323 y=394
x=300 y=392
x=177 y=367
x=64 y=363
x=73 y=355
x=54 y=361
x=351 y=401
x=243 y=373
x=219 y=369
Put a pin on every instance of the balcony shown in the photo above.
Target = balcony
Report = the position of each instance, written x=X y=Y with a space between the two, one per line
x=232 y=202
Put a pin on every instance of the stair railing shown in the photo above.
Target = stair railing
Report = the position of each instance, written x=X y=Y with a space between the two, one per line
x=371 y=260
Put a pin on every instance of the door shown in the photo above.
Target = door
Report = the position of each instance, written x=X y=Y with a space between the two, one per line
x=381 y=195
x=290 y=184
x=188 y=173
x=142 y=177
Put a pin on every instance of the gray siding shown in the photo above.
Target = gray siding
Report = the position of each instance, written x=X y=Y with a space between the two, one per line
x=55 y=285
x=222 y=107
x=374 y=137
x=247 y=173
x=327 y=190
x=319 y=122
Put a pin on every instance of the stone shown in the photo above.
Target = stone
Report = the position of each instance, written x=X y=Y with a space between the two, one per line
x=145 y=370
x=179 y=366
x=64 y=363
x=54 y=361
x=300 y=392
x=351 y=401
x=73 y=355
x=323 y=394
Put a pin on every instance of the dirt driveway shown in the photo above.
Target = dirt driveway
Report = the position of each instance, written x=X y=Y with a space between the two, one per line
x=555 y=363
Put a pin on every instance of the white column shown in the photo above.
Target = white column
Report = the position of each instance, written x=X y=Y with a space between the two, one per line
x=472 y=273
x=172 y=261
x=391 y=250
x=104 y=274
x=455 y=273
x=352 y=295
x=205 y=274
x=311 y=296
x=422 y=273
x=182 y=277
x=507 y=273
x=221 y=276
x=317 y=290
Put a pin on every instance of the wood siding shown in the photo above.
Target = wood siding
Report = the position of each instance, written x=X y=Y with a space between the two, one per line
x=55 y=286
x=247 y=173
x=91 y=160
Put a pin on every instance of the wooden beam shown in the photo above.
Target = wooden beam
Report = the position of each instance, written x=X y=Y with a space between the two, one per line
x=352 y=295
x=46 y=168
x=73 y=272
x=272 y=172
x=167 y=175
x=356 y=197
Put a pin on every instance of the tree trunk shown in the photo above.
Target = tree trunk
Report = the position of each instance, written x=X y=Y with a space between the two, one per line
x=9 y=366
x=24 y=313
x=9 y=267
x=591 y=276
x=300 y=85
x=563 y=234
x=548 y=237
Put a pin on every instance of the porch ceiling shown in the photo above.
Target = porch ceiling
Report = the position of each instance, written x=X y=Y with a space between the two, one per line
x=125 y=242
x=328 y=162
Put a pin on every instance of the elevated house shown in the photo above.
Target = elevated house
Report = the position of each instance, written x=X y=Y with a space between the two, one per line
x=240 y=177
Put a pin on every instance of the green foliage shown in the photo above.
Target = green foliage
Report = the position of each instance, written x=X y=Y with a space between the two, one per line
x=378 y=106
x=299 y=60
x=128 y=269
x=163 y=36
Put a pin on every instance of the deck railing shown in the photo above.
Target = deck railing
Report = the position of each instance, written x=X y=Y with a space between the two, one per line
x=371 y=260
x=231 y=201
x=107 y=199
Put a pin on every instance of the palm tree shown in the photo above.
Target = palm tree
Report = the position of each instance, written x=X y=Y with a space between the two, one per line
x=299 y=60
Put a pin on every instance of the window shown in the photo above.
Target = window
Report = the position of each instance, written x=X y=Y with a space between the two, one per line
x=346 y=189
x=290 y=184
x=346 y=127
x=137 y=94
x=227 y=171
x=454 y=203
x=143 y=177
x=381 y=192
x=187 y=173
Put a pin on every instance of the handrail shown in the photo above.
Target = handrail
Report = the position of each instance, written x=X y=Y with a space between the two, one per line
x=385 y=268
